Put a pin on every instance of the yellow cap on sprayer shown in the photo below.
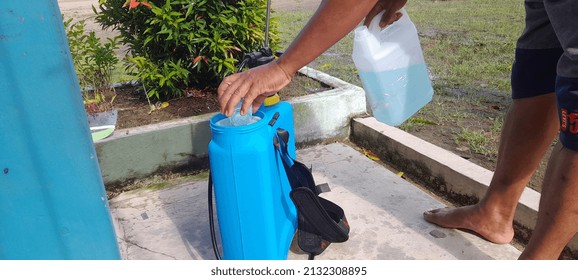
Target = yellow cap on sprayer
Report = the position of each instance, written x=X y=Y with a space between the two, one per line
x=272 y=100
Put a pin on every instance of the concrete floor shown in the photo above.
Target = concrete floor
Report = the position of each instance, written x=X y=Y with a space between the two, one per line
x=383 y=210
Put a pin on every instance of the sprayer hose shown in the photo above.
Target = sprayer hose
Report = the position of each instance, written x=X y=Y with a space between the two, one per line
x=211 y=220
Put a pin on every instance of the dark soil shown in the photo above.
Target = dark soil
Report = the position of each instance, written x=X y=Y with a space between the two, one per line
x=134 y=108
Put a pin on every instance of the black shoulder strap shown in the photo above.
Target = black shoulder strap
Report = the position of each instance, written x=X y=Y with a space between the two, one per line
x=320 y=221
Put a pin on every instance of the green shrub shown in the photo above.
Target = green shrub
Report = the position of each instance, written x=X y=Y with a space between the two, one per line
x=177 y=44
x=94 y=62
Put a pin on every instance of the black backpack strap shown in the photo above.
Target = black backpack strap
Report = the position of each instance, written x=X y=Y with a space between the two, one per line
x=320 y=221
x=327 y=218
x=297 y=172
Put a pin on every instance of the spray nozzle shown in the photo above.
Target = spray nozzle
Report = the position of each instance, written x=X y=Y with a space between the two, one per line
x=263 y=56
x=254 y=59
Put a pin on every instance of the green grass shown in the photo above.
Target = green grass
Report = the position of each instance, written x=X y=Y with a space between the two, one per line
x=119 y=75
x=468 y=46
x=469 y=43
x=465 y=43
x=336 y=61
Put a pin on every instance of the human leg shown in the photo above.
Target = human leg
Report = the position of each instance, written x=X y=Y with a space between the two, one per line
x=556 y=224
x=528 y=131
x=492 y=217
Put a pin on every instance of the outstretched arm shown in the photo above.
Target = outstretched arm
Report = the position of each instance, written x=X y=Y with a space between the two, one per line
x=332 y=21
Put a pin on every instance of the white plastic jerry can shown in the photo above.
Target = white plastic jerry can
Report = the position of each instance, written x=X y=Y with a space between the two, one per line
x=392 y=69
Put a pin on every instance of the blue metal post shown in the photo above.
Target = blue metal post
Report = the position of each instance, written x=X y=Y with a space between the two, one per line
x=53 y=204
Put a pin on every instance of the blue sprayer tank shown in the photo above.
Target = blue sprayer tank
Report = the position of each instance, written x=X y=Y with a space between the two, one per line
x=256 y=217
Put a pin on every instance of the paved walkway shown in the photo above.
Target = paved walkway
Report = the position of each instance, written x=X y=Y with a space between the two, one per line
x=384 y=212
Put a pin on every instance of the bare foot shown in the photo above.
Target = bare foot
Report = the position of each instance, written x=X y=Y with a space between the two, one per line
x=493 y=228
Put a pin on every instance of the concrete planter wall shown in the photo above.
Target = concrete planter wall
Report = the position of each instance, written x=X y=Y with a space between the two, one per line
x=143 y=151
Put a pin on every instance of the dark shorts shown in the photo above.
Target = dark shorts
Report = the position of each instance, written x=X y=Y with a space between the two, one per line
x=547 y=60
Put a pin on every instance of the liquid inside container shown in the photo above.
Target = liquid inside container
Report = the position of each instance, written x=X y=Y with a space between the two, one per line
x=236 y=119
x=392 y=69
x=231 y=121
x=395 y=95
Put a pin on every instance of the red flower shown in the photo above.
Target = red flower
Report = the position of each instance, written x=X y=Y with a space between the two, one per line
x=133 y=4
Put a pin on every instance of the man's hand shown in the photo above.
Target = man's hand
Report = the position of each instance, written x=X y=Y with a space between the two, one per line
x=253 y=86
x=391 y=14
